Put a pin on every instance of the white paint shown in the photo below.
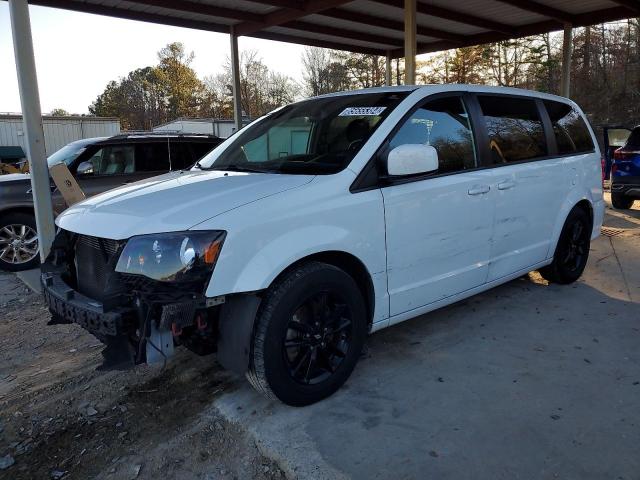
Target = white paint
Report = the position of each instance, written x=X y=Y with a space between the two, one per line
x=425 y=243
x=411 y=159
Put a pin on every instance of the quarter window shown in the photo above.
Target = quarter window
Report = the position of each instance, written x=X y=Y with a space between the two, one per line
x=514 y=127
x=443 y=124
x=569 y=128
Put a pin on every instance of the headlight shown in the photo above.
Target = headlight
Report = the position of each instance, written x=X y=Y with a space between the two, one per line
x=172 y=257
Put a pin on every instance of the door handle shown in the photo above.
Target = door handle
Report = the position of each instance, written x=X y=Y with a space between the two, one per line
x=506 y=185
x=479 y=190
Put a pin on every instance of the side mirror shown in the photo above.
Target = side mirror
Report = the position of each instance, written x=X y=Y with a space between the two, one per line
x=85 y=168
x=411 y=159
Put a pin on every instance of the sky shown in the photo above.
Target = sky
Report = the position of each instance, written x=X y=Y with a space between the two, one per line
x=77 y=54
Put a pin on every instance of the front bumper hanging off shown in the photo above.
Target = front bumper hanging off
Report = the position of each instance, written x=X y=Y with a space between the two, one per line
x=70 y=306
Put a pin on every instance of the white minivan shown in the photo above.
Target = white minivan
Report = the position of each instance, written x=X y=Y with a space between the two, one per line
x=326 y=220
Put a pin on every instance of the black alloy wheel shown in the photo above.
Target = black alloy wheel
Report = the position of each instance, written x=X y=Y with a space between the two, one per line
x=572 y=250
x=308 y=335
x=318 y=337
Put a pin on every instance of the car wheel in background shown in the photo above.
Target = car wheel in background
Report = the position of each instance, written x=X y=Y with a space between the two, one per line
x=572 y=250
x=309 y=334
x=18 y=242
x=621 y=202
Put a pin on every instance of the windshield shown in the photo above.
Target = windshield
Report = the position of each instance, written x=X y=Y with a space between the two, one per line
x=67 y=154
x=317 y=136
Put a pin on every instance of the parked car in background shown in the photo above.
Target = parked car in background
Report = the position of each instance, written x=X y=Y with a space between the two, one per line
x=625 y=172
x=328 y=219
x=99 y=164
x=615 y=136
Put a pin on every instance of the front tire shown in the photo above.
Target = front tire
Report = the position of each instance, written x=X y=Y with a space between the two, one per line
x=572 y=250
x=308 y=336
x=621 y=202
x=18 y=242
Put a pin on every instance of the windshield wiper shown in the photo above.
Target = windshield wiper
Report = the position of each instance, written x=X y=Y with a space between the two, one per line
x=236 y=168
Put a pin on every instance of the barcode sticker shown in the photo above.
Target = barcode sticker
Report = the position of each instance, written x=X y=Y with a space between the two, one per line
x=362 y=111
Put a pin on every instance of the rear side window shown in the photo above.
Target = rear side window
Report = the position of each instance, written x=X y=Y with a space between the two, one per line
x=200 y=149
x=152 y=157
x=181 y=157
x=443 y=124
x=515 y=129
x=633 y=142
x=569 y=128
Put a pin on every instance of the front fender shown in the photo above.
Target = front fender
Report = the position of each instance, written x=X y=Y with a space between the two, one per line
x=260 y=270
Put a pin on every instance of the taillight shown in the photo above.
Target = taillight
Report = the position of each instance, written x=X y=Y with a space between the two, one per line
x=620 y=154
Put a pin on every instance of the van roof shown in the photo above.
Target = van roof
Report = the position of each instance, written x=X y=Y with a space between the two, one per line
x=452 y=88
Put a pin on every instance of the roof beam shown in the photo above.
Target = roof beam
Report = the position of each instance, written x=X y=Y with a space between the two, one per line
x=287 y=15
x=540 y=9
x=292 y=4
x=454 y=16
x=202 y=8
x=128 y=14
x=632 y=5
x=580 y=20
x=342 y=33
x=389 y=24
x=285 y=37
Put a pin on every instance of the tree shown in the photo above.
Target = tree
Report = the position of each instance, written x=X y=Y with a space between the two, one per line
x=152 y=95
x=323 y=72
x=138 y=100
x=59 y=112
x=182 y=90
x=260 y=89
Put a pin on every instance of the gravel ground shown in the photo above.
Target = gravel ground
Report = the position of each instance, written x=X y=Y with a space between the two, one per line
x=59 y=418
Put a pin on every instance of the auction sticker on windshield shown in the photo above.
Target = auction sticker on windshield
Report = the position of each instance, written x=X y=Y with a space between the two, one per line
x=362 y=111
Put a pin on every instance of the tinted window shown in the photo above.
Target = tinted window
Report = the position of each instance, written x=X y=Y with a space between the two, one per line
x=200 y=149
x=443 y=124
x=152 y=157
x=181 y=157
x=112 y=160
x=514 y=127
x=569 y=128
x=633 y=142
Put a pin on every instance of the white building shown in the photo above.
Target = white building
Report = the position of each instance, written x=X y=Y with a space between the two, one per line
x=210 y=126
x=58 y=131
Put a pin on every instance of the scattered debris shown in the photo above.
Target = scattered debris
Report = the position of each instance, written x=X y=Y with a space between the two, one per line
x=6 y=462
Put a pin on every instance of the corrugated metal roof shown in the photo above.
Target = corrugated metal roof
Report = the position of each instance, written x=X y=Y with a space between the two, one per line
x=367 y=26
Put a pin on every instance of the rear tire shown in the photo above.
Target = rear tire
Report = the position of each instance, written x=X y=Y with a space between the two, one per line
x=18 y=229
x=621 y=202
x=308 y=336
x=572 y=250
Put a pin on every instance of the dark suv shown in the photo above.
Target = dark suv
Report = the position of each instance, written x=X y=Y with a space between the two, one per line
x=625 y=172
x=99 y=164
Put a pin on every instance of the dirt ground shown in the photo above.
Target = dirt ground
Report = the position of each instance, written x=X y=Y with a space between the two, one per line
x=59 y=418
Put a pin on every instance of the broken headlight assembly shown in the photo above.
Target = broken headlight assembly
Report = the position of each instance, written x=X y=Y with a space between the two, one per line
x=177 y=257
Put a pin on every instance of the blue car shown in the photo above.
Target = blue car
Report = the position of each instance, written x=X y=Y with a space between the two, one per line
x=625 y=172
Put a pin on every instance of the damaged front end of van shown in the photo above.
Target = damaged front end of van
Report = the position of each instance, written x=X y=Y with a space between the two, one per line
x=141 y=297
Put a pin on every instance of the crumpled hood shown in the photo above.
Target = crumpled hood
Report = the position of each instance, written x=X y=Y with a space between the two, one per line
x=171 y=202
